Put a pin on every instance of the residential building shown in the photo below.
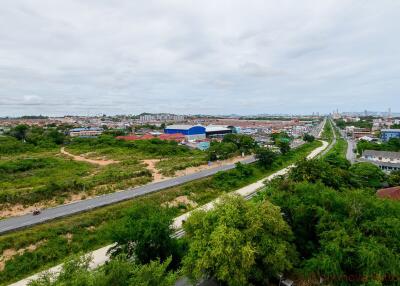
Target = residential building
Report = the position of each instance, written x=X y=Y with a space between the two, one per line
x=392 y=193
x=387 y=134
x=85 y=132
x=387 y=161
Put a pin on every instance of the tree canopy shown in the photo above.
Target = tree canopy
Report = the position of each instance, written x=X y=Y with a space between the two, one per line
x=265 y=157
x=145 y=234
x=238 y=242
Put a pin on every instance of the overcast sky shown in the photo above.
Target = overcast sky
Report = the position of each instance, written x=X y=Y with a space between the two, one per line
x=215 y=57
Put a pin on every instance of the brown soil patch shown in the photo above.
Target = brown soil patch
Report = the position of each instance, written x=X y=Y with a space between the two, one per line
x=181 y=200
x=91 y=228
x=8 y=254
x=101 y=162
x=18 y=209
x=151 y=166
x=215 y=164
x=69 y=237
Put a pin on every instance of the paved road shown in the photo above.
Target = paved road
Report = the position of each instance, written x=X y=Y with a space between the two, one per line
x=350 y=155
x=15 y=223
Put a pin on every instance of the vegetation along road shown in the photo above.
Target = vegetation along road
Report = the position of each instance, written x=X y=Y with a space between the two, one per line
x=100 y=256
x=15 y=223
x=330 y=133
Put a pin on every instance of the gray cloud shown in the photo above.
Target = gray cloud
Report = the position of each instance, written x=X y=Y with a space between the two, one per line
x=90 y=57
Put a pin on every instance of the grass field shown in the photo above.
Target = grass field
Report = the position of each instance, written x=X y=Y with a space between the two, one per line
x=43 y=246
x=31 y=178
x=327 y=133
x=45 y=177
x=340 y=148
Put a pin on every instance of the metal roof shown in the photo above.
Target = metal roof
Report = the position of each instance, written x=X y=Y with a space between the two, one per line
x=182 y=127
x=390 y=130
x=390 y=193
x=86 y=129
x=385 y=154
x=214 y=128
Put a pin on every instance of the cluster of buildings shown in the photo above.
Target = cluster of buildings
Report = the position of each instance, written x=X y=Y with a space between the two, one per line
x=194 y=131
x=194 y=136
x=379 y=132
x=385 y=160
x=161 y=117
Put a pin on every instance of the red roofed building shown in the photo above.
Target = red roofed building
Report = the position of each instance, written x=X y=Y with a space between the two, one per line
x=129 y=137
x=147 y=137
x=392 y=193
x=178 y=137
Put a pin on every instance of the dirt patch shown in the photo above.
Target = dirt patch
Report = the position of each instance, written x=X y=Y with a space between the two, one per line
x=100 y=162
x=151 y=166
x=8 y=254
x=181 y=200
x=91 y=228
x=69 y=237
x=215 y=164
x=16 y=210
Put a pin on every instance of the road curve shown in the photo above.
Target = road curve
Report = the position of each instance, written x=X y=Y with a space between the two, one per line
x=14 y=223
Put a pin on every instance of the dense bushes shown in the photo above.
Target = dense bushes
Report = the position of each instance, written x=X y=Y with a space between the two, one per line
x=10 y=145
x=340 y=230
x=38 y=136
x=334 y=173
x=392 y=145
x=238 y=243
x=118 y=272
x=153 y=147
x=231 y=145
x=37 y=179
x=340 y=234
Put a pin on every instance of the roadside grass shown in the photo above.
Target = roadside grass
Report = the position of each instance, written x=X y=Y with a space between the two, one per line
x=57 y=240
x=339 y=149
x=120 y=150
x=42 y=177
x=327 y=133
x=169 y=166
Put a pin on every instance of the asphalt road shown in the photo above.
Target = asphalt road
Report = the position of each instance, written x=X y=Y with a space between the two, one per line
x=27 y=220
x=350 y=155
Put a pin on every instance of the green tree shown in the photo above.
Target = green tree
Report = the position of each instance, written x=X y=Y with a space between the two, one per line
x=221 y=150
x=308 y=138
x=394 y=178
x=284 y=146
x=245 y=143
x=145 y=234
x=20 y=131
x=367 y=174
x=119 y=271
x=334 y=159
x=340 y=234
x=153 y=274
x=238 y=242
x=265 y=157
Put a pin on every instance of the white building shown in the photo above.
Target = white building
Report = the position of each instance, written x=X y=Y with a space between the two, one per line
x=387 y=161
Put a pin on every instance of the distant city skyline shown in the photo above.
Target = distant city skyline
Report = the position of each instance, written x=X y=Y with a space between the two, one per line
x=198 y=57
x=353 y=113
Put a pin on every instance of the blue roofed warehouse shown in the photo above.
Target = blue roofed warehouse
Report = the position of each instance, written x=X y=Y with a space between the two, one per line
x=191 y=132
